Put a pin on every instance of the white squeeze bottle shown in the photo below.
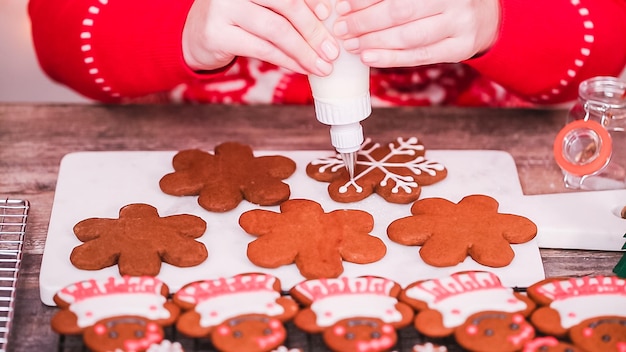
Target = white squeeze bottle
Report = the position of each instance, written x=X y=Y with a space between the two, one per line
x=342 y=100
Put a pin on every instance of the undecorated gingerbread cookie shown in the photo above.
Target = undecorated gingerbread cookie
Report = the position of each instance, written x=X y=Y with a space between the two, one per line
x=138 y=241
x=223 y=179
x=395 y=171
x=115 y=314
x=316 y=241
x=443 y=304
x=241 y=313
x=448 y=232
x=590 y=310
x=353 y=314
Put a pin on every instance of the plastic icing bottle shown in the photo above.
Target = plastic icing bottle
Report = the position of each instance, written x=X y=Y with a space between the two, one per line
x=342 y=100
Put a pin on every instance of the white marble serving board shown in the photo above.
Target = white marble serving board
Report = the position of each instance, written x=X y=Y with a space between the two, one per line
x=98 y=184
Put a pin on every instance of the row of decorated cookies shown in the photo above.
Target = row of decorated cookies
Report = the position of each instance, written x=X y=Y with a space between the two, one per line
x=247 y=312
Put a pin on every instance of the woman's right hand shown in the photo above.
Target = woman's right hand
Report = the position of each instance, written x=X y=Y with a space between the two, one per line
x=286 y=33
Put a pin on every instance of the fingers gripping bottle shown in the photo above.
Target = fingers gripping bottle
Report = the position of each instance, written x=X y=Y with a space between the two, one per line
x=342 y=101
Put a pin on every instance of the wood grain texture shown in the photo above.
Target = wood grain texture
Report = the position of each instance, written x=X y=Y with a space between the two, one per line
x=34 y=138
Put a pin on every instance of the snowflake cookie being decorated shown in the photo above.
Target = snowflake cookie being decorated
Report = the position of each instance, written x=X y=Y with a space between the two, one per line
x=395 y=171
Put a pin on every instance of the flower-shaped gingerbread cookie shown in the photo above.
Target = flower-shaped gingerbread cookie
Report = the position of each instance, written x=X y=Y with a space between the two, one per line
x=223 y=179
x=449 y=232
x=395 y=171
x=316 y=241
x=138 y=241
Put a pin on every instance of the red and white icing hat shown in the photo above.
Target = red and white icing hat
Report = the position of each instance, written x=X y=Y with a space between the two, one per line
x=341 y=298
x=93 y=300
x=577 y=299
x=221 y=299
x=460 y=295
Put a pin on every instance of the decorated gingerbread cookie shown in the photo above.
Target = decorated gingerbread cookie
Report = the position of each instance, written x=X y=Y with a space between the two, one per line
x=448 y=232
x=429 y=347
x=126 y=313
x=316 y=241
x=494 y=331
x=549 y=344
x=444 y=304
x=241 y=313
x=223 y=179
x=591 y=310
x=395 y=171
x=139 y=241
x=353 y=314
x=606 y=334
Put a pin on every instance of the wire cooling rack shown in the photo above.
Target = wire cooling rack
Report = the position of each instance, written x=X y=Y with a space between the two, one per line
x=13 y=215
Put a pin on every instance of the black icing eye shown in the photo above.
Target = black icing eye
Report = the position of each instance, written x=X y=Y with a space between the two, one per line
x=349 y=336
x=237 y=334
x=267 y=331
x=606 y=338
x=488 y=332
x=139 y=334
x=375 y=335
x=113 y=334
x=514 y=326
x=545 y=348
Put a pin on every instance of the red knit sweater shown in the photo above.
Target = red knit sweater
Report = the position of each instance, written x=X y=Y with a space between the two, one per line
x=123 y=50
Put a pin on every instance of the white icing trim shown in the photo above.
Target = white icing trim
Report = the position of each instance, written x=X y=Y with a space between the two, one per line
x=578 y=62
x=91 y=64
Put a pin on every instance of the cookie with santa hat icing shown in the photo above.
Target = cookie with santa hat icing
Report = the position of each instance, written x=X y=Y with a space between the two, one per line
x=445 y=303
x=117 y=313
x=590 y=310
x=352 y=313
x=245 y=312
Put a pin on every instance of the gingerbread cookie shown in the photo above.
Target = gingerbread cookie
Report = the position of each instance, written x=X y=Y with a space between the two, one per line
x=494 y=331
x=223 y=179
x=603 y=334
x=395 y=171
x=450 y=232
x=549 y=344
x=138 y=241
x=126 y=313
x=429 y=347
x=591 y=310
x=241 y=313
x=444 y=304
x=353 y=314
x=317 y=242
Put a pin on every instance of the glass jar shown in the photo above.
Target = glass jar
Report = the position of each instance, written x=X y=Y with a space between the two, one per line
x=591 y=148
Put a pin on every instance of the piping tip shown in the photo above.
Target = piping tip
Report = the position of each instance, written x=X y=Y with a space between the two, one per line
x=349 y=160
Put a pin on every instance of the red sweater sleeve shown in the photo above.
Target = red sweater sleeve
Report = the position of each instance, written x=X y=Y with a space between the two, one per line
x=108 y=50
x=546 y=48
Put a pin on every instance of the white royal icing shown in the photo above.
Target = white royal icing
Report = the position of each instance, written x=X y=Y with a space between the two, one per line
x=221 y=308
x=404 y=183
x=577 y=299
x=334 y=308
x=146 y=305
x=460 y=295
x=576 y=309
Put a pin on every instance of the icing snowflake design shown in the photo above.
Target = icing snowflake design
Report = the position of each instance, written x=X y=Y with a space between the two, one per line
x=396 y=172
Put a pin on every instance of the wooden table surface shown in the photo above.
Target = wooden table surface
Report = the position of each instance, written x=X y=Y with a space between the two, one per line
x=34 y=138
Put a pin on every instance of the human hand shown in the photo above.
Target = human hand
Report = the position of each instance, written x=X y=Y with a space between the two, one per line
x=400 y=33
x=281 y=32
